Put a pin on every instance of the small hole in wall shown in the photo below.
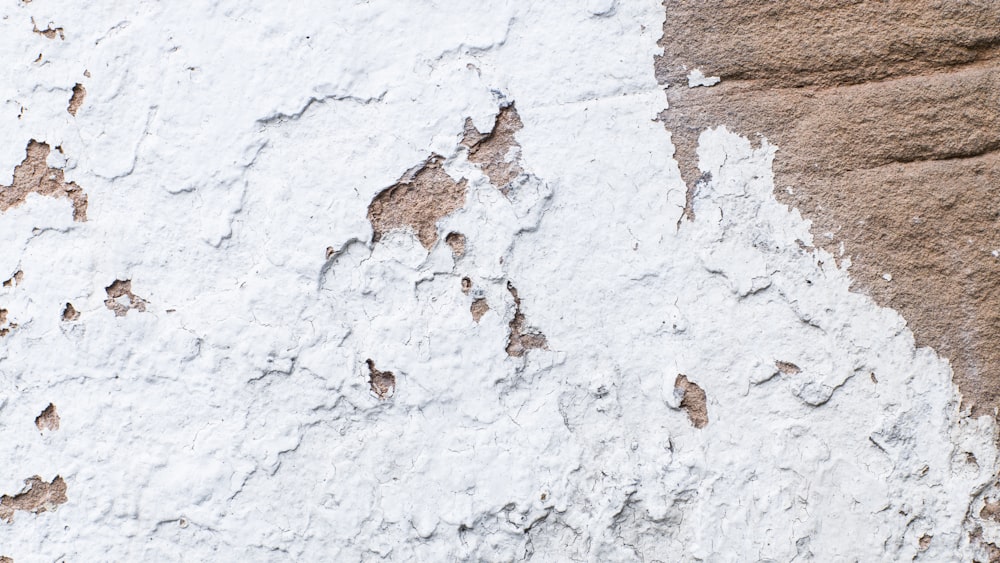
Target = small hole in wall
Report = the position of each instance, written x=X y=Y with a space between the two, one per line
x=466 y=285
x=182 y=522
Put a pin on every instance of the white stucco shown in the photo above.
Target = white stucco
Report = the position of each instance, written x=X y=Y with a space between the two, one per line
x=224 y=146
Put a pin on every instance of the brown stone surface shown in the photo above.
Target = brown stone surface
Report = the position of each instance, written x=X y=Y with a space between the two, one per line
x=34 y=175
x=497 y=152
x=422 y=197
x=37 y=497
x=693 y=401
x=887 y=120
x=48 y=419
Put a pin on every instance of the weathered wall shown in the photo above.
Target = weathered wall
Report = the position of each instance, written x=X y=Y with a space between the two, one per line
x=424 y=281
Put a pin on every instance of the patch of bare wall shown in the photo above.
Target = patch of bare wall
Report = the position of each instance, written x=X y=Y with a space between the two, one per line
x=34 y=175
x=419 y=199
x=887 y=119
x=497 y=152
x=36 y=497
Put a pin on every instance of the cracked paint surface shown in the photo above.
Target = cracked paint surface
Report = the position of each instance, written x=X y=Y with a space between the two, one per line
x=288 y=345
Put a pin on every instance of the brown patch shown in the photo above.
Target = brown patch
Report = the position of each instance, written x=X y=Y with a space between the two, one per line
x=419 y=199
x=887 y=117
x=37 y=497
x=479 y=308
x=48 y=419
x=497 y=152
x=70 y=313
x=34 y=175
x=382 y=383
x=15 y=279
x=5 y=326
x=49 y=32
x=991 y=510
x=466 y=285
x=121 y=300
x=693 y=401
x=76 y=100
x=457 y=243
x=925 y=542
x=521 y=339
x=5 y=559
x=787 y=368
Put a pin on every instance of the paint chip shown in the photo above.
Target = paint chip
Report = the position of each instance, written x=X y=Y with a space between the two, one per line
x=521 y=339
x=121 y=300
x=697 y=78
x=478 y=308
x=76 y=100
x=457 y=243
x=693 y=401
x=70 y=313
x=49 y=32
x=48 y=419
x=5 y=330
x=787 y=368
x=497 y=153
x=36 y=497
x=15 y=279
x=421 y=197
x=382 y=383
x=34 y=175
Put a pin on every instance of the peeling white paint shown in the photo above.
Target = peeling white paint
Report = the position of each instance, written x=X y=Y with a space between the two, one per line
x=697 y=78
x=224 y=147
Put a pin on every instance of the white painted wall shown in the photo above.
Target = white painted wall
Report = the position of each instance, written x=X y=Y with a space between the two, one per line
x=225 y=145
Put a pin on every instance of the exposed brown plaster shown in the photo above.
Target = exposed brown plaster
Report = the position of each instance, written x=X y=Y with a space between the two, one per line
x=787 y=368
x=76 y=100
x=34 y=175
x=521 y=338
x=48 y=419
x=49 y=32
x=457 y=243
x=70 y=313
x=422 y=197
x=381 y=383
x=478 y=308
x=497 y=152
x=36 y=497
x=887 y=120
x=5 y=326
x=15 y=279
x=118 y=290
x=693 y=401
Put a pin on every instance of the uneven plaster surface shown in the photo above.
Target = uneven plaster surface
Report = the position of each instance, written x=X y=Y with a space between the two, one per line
x=247 y=367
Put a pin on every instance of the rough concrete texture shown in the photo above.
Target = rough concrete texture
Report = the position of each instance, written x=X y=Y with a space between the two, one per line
x=887 y=119
x=307 y=381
